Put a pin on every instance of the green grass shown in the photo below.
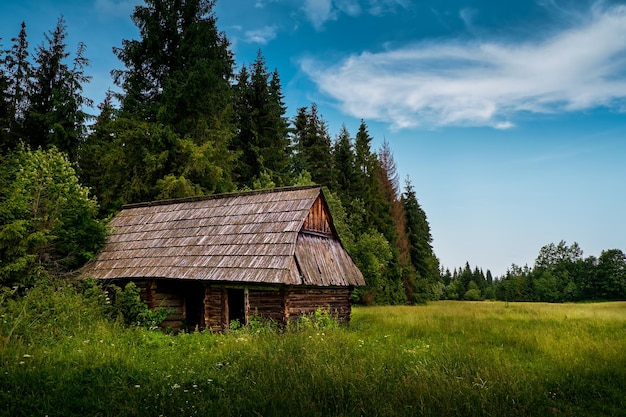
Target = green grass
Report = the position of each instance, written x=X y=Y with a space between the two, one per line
x=59 y=356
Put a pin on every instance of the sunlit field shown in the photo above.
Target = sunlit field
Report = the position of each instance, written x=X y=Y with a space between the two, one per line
x=443 y=359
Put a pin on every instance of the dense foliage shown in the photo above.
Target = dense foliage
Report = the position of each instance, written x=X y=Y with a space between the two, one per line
x=560 y=274
x=184 y=122
x=47 y=219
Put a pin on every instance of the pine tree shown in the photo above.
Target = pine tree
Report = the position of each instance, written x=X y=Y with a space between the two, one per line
x=279 y=159
x=344 y=162
x=55 y=114
x=175 y=121
x=262 y=126
x=389 y=180
x=364 y=162
x=19 y=71
x=313 y=146
x=97 y=155
x=420 y=239
x=179 y=72
x=5 y=106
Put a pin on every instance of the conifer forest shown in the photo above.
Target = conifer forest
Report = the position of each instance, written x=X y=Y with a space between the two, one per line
x=186 y=120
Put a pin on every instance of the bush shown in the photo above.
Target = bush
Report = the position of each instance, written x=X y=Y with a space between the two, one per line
x=473 y=295
x=128 y=305
x=321 y=319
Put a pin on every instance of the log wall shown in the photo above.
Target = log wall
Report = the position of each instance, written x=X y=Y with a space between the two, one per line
x=215 y=309
x=267 y=304
x=336 y=301
x=175 y=303
x=279 y=305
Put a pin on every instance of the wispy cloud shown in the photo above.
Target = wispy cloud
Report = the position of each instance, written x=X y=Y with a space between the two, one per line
x=349 y=7
x=116 y=8
x=382 y=7
x=259 y=4
x=261 y=36
x=485 y=83
x=319 y=12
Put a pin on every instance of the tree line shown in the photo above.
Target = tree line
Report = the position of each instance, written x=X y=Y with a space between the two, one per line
x=560 y=274
x=183 y=122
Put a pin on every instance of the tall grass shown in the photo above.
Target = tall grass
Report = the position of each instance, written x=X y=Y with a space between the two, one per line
x=61 y=357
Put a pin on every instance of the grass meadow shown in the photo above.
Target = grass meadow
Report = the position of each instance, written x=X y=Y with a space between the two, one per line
x=60 y=357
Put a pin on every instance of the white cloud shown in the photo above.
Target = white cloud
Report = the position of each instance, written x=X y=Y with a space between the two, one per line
x=484 y=83
x=319 y=12
x=504 y=125
x=262 y=36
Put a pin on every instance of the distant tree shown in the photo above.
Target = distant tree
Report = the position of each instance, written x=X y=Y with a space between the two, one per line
x=546 y=287
x=552 y=256
x=516 y=285
x=561 y=263
x=489 y=291
x=473 y=293
x=611 y=272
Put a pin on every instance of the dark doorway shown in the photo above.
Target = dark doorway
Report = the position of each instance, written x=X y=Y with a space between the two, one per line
x=194 y=306
x=236 y=305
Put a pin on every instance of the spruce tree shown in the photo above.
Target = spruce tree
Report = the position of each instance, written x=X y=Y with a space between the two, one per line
x=420 y=239
x=344 y=160
x=396 y=226
x=364 y=162
x=19 y=71
x=5 y=105
x=313 y=146
x=175 y=121
x=262 y=126
x=99 y=159
x=55 y=114
x=179 y=71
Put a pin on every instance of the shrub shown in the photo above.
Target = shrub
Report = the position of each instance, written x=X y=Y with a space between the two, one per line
x=473 y=295
x=321 y=319
x=128 y=305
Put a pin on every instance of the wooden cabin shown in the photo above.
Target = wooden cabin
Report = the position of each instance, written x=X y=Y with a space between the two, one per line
x=211 y=260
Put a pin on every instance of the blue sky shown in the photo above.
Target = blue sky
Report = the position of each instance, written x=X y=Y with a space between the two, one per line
x=508 y=117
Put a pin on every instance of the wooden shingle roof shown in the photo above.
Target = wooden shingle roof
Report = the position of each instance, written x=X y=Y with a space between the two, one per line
x=240 y=237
